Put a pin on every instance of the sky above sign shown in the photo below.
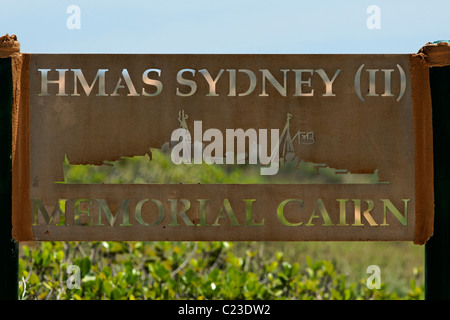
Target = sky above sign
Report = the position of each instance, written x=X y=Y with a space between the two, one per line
x=233 y=26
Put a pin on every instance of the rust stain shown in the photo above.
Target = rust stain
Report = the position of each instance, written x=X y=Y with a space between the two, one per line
x=430 y=55
x=423 y=140
x=435 y=55
x=22 y=229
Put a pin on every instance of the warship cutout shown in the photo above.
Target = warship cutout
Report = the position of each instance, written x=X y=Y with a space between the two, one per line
x=213 y=148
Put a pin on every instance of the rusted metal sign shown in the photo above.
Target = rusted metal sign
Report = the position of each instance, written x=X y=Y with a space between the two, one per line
x=340 y=144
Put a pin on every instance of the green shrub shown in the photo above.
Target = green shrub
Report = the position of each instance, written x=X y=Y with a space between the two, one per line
x=183 y=270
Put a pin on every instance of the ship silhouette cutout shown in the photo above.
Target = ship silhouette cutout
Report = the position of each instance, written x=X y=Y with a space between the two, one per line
x=292 y=169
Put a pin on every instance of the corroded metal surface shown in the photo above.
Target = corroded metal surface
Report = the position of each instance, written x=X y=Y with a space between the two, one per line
x=355 y=114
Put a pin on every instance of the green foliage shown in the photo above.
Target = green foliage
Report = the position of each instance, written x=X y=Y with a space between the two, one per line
x=184 y=270
x=159 y=168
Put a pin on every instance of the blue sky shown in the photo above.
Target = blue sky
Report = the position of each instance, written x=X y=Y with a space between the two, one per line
x=233 y=26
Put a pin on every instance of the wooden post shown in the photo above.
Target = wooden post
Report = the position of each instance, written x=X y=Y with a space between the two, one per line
x=437 y=249
x=8 y=247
